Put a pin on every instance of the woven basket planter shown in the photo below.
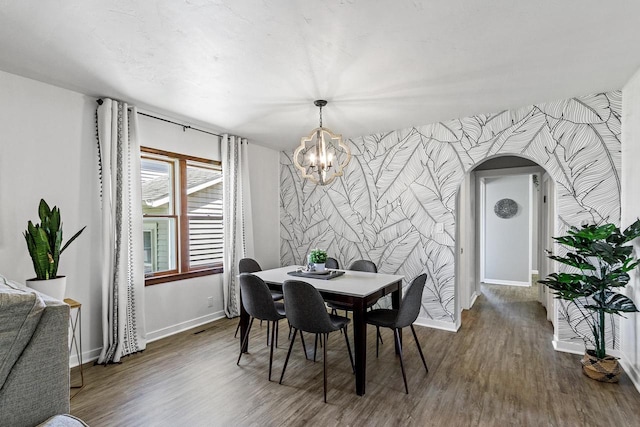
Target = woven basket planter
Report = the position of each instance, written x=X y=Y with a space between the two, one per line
x=607 y=370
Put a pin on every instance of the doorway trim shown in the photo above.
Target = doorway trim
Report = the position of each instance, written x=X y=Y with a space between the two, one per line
x=469 y=230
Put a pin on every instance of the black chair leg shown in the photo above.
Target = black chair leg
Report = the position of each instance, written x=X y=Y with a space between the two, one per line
x=399 y=344
x=326 y=337
x=415 y=337
x=377 y=340
x=304 y=346
x=346 y=338
x=277 y=331
x=273 y=333
x=315 y=348
x=268 y=326
x=284 y=368
x=235 y=335
x=245 y=340
x=379 y=336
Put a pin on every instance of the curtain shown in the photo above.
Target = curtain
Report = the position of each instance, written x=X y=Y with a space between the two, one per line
x=238 y=230
x=123 y=328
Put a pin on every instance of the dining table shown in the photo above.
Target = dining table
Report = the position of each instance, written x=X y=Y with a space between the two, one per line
x=356 y=289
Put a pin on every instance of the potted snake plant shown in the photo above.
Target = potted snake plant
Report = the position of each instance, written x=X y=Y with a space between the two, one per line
x=600 y=258
x=43 y=242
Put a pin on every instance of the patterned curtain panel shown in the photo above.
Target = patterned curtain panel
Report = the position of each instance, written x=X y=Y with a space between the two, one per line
x=238 y=230
x=123 y=329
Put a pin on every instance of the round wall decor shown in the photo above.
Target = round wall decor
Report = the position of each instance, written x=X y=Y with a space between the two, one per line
x=506 y=208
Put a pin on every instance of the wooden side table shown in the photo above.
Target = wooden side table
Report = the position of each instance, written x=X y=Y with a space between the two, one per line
x=75 y=323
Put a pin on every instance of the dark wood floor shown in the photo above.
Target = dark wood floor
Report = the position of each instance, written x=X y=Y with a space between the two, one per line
x=499 y=370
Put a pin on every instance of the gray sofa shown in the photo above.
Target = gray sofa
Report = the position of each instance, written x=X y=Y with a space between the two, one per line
x=34 y=356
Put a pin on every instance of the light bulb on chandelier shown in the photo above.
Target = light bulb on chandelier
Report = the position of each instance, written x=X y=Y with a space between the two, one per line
x=325 y=145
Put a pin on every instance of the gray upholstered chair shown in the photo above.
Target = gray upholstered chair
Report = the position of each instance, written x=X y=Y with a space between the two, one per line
x=306 y=312
x=257 y=301
x=364 y=265
x=250 y=265
x=331 y=263
x=359 y=265
x=401 y=318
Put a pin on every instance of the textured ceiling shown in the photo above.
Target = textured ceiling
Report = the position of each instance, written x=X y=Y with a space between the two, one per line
x=253 y=68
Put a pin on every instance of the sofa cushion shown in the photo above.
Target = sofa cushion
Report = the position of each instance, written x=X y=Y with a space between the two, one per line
x=20 y=312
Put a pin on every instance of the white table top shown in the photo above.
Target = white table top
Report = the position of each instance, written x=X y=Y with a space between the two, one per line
x=354 y=283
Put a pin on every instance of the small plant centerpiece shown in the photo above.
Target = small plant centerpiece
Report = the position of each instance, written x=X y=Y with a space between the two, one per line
x=318 y=257
x=601 y=258
x=43 y=242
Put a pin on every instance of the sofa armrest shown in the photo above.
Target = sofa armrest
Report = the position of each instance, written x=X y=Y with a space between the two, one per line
x=38 y=385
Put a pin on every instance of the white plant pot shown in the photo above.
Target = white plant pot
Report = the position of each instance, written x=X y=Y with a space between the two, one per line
x=319 y=267
x=54 y=288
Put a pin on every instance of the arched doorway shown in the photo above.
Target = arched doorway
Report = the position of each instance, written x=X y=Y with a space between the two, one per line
x=522 y=238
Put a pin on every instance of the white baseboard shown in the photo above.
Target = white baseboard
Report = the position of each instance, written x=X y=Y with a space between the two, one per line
x=180 y=327
x=474 y=297
x=578 y=348
x=92 y=355
x=505 y=282
x=632 y=371
x=437 y=324
x=87 y=356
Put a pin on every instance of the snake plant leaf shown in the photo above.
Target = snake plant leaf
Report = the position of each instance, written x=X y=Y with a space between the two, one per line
x=72 y=239
x=612 y=302
x=38 y=246
x=43 y=210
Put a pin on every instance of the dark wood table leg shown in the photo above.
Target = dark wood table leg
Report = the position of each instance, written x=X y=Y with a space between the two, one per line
x=396 y=297
x=244 y=325
x=360 y=345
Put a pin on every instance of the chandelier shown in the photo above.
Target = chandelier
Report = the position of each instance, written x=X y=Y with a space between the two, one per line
x=325 y=150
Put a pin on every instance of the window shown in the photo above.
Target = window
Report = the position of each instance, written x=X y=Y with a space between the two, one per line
x=182 y=216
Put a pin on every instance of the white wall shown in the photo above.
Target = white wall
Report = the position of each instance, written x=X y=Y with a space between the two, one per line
x=48 y=150
x=507 y=242
x=630 y=327
x=264 y=164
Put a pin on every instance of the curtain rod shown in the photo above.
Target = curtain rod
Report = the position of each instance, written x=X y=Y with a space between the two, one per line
x=184 y=127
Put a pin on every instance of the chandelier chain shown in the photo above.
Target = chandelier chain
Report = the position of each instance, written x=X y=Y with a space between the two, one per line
x=320 y=116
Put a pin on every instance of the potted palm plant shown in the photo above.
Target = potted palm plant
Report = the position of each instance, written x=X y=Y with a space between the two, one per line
x=601 y=258
x=43 y=243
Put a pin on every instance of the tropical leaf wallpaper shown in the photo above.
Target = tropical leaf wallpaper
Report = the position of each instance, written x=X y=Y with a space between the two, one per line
x=400 y=184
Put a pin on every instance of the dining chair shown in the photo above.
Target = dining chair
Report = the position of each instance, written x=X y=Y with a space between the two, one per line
x=331 y=263
x=257 y=301
x=250 y=265
x=359 y=265
x=306 y=312
x=401 y=318
x=364 y=265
